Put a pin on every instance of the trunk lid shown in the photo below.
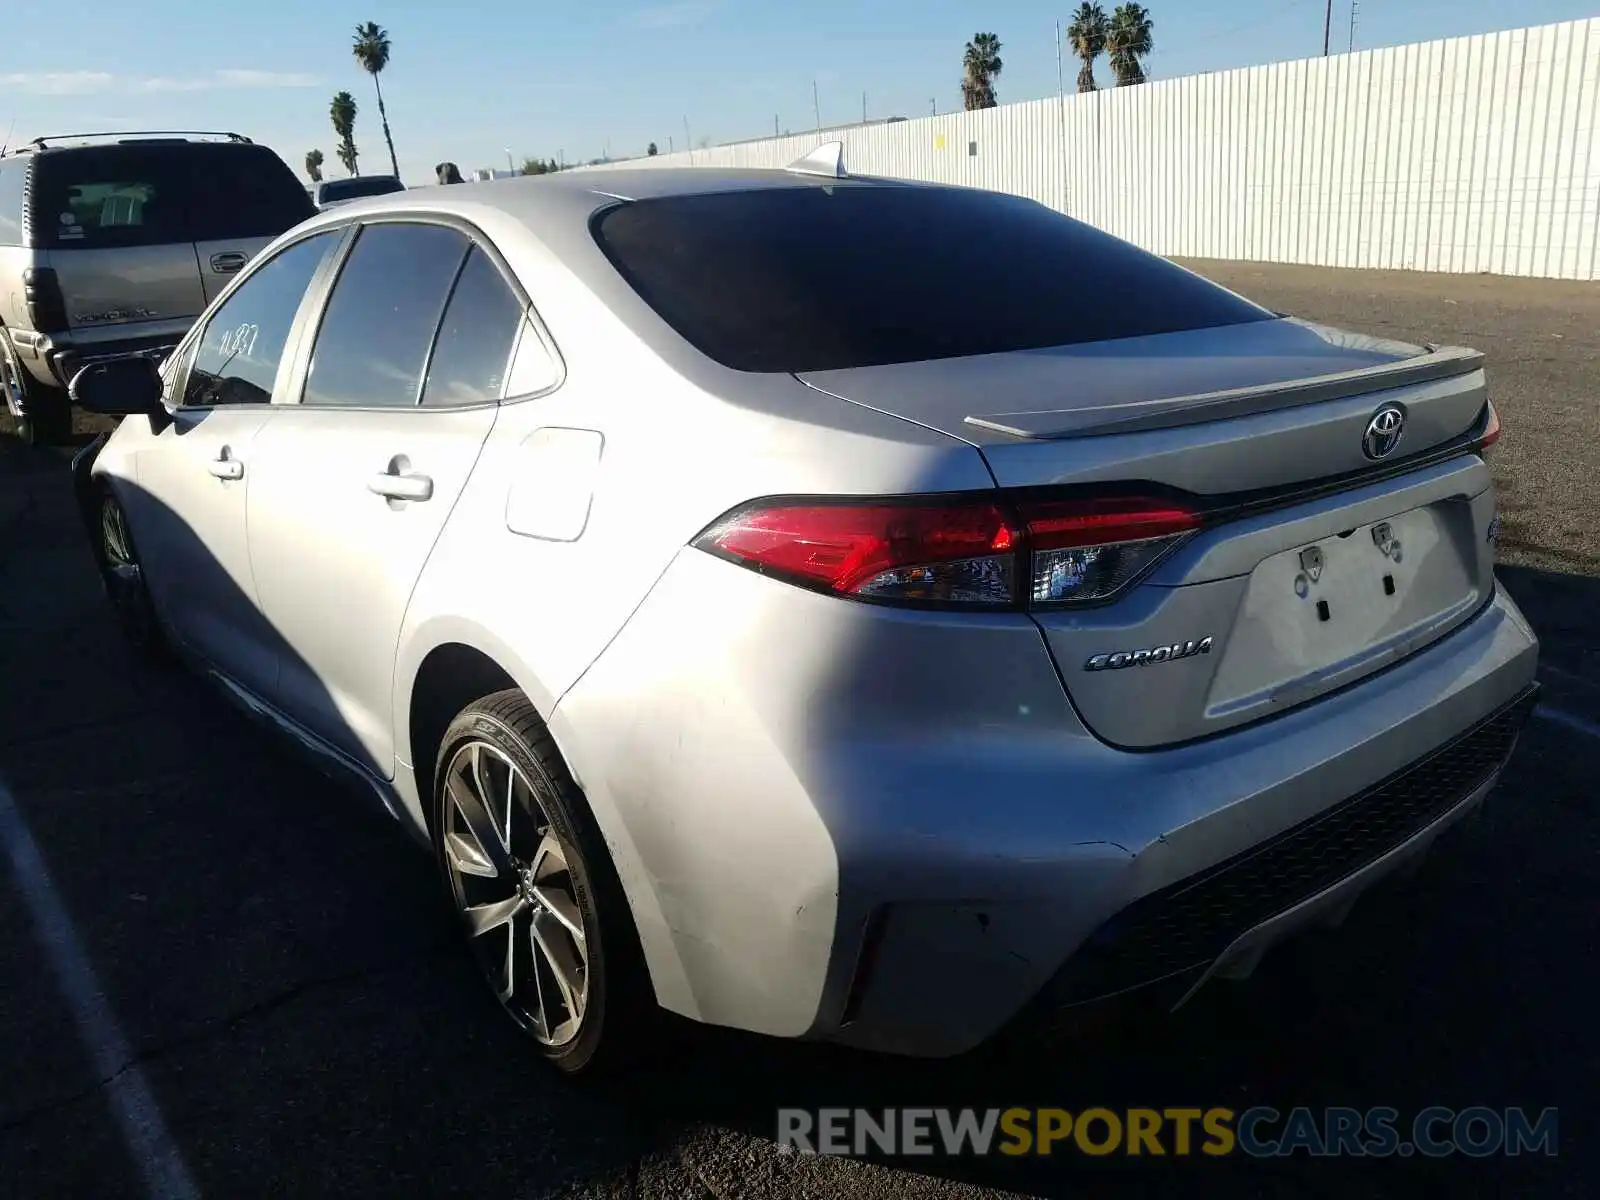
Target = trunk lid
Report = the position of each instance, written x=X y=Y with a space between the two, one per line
x=1318 y=564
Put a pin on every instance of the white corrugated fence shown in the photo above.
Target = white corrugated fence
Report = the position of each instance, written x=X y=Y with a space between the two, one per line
x=1466 y=154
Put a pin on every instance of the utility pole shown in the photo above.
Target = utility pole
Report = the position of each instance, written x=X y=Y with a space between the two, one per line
x=816 y=105
x=1327 y=26
x=863 y=108
x=688 y=142
x=1354 y=4
x=774 y=124
x=933 y=105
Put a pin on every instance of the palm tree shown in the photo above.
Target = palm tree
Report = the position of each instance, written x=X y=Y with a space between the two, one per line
x=1129 y=38
x=372 y=52
x=314 y=165
x=343 y=113
x=980 y=66
x=1087 y=34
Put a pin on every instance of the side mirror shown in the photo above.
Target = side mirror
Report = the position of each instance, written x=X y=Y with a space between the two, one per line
x=120 y=387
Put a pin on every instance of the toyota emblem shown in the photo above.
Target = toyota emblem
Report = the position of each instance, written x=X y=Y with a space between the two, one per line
x=1383 y=431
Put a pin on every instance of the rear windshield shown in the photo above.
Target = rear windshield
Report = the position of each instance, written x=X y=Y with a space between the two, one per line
x=821 y=278
x=153 y=194
x=352 y=189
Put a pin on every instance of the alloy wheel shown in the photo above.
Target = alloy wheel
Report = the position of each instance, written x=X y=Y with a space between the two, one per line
x=11 y=388
x=511 y=882
x=124 y=580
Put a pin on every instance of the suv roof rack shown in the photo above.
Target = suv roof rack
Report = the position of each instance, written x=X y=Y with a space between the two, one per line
x=138 y=135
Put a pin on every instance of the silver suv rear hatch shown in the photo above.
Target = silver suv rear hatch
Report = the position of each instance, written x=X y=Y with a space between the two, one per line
x=151 y=231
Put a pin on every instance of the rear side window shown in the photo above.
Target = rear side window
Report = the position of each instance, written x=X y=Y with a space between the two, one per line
x=13 y=178
x=144 y=195
x=813 y=278
x=473 y=349
x=382 y=315
x=243 y=342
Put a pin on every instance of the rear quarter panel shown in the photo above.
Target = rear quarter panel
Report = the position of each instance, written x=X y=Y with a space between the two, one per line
x=674 y=454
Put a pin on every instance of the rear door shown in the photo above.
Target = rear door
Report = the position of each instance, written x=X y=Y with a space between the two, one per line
x=353 y=485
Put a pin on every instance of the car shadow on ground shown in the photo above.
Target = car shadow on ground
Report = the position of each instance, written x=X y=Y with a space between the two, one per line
x=309 y=1019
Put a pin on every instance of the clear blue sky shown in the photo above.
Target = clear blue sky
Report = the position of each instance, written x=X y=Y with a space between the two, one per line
x=468 y=81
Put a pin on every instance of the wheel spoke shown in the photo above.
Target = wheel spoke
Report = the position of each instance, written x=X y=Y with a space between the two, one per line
x=564 y=909
x=552 y=883
x=481 y=918
x=467 y=857
x=479 y=823
x=507 y=987
x=564 y=960
x=497 y=808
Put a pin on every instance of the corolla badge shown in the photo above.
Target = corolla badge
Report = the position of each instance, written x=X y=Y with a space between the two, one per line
x=1120 y=659
x=1383 y=432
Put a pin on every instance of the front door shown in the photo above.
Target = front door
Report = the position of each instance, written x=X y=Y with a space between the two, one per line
x=187 y=501
x=353 y=486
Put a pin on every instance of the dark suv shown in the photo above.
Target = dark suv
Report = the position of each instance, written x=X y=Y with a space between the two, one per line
x=112 y=245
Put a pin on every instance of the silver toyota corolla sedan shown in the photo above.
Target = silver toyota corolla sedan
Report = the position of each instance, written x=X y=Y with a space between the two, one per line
x=832 y=607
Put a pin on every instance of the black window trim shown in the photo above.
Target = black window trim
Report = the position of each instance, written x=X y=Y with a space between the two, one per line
x=314 y=292
x=322 y=291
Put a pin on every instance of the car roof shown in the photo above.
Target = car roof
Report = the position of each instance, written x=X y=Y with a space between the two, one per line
x=537 y=200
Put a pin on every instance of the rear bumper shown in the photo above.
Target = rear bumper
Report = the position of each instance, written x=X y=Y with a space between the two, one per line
x=53 y=359
x=855 y=824
x=1219 y=922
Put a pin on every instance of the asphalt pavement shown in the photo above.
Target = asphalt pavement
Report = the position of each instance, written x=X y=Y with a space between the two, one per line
x=222 y=972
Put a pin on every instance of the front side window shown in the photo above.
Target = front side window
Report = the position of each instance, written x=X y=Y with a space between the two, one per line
x=242 y=345
x=473 y=349
x=382 y=315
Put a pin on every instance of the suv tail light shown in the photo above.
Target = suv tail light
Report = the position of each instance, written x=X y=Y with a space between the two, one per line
x=981 y=552
x=41 y=291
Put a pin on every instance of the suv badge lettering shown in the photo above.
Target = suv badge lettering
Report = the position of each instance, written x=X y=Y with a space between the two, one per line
x=116 y=314
x=1142 y=658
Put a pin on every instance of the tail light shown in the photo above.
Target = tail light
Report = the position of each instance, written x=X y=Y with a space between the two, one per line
x=41 y=291
x=1089 y=550
x=1491 y=431
x=981 y=552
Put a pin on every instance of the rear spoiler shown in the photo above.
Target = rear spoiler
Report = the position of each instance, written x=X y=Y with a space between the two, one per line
x=1439 y=362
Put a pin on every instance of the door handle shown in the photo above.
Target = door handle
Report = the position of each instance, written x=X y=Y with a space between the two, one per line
x=225 y=466
x=401 y=487
x=227 y=262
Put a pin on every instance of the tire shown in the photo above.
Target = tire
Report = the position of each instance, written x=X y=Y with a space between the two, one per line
x=44 y=413
x=123 y=577
x=545 y=901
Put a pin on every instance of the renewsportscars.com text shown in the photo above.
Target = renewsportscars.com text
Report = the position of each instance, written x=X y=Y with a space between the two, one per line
x=1259 y=1132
